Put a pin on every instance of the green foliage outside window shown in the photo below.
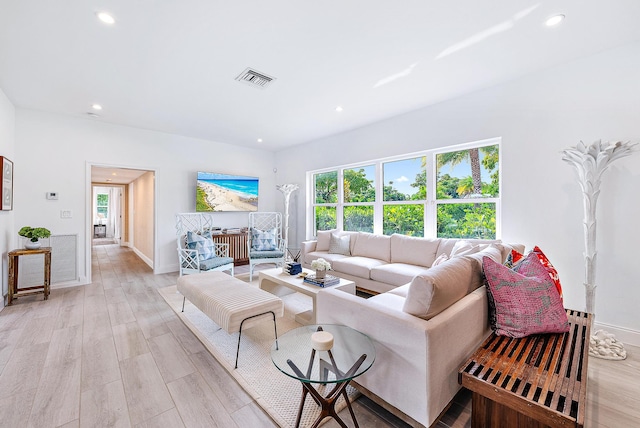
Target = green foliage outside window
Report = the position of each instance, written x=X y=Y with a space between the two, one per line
x=467 y=221
x=102 y=204
x=404 y=219
x=357 y=187
x=358 y=218
x=326 y=218
x=326 y=188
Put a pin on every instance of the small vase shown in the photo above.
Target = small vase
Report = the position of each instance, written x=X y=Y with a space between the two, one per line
x=30 y=245
x=320 y=274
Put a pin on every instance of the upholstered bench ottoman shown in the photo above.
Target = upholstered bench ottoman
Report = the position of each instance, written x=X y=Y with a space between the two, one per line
x=230 y=302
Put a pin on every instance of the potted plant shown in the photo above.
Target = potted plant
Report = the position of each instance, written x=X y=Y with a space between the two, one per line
x=33 y=234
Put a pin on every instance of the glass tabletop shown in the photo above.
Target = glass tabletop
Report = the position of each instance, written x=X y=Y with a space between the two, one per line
x=351 y=355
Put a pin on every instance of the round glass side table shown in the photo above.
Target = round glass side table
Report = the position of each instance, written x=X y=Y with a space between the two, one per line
x=348 y=355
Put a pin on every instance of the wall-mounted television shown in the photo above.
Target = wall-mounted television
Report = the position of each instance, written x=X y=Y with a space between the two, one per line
x=226 y=192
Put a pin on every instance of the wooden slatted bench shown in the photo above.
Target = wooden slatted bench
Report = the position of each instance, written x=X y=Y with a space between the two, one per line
x=534 y=382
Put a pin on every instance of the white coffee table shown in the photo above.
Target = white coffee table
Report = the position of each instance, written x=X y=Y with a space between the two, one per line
x=281 y=284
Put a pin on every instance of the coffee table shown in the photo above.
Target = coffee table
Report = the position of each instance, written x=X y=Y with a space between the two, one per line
x=281 y=284
x=351 y=354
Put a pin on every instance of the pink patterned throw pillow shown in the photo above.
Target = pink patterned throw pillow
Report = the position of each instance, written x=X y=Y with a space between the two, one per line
x=527 y=301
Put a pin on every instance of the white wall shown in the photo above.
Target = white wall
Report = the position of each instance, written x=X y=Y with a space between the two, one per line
x=52 y=153
x=8 y=236
x=143 y=216
x=536 y=116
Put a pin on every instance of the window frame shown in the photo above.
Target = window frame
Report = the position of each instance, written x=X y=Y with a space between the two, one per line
x=430 y=203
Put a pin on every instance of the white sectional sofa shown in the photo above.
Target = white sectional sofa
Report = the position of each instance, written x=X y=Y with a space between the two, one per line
x=425 y=322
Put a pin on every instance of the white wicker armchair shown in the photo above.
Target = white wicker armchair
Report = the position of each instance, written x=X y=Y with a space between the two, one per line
x=191 y=260
x=265 y=240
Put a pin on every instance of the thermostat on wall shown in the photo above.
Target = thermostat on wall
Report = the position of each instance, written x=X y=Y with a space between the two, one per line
x=52 y=195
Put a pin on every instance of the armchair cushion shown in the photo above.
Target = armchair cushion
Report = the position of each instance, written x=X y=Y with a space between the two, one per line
x=270 y=254
x=215 y=262
x=264 y=240
x=203 y=245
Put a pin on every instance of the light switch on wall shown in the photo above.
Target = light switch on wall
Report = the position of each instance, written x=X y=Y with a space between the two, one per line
x=52 y=195
x=65 y=214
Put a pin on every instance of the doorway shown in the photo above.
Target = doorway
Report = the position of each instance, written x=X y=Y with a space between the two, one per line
x=121 y=210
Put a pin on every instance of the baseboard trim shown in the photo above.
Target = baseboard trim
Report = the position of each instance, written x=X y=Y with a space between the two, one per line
x=144 y=258
x=624 y=335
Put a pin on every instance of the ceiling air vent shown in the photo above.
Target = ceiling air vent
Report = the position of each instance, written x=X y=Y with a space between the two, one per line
x=255 y=78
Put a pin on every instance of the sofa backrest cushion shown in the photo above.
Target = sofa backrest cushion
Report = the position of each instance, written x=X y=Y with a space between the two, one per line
x=323 y=238
x=433 y=292
x=372 y=246
x=493 y=251
x=447 y=244
x=413 y=250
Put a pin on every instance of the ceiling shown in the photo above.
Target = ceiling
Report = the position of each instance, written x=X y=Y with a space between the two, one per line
x=170 y=65
x=106 y=175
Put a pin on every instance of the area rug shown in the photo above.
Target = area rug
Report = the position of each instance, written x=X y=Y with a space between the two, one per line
x=278 y=394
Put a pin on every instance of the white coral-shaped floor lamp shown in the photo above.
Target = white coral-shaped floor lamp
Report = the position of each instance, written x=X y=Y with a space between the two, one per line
x=287 y=190
x=590 y=162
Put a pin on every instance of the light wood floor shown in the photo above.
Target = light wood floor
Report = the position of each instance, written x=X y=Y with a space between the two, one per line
x=113 y=354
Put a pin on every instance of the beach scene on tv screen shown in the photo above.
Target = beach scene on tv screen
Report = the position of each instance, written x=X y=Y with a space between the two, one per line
x=226 y=192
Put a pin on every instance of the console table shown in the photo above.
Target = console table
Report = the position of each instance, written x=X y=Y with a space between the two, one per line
x=237 y=246
x=14 y=257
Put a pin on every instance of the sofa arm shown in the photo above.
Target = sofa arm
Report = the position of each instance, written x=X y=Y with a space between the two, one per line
x=421 y=357
x=306 y=248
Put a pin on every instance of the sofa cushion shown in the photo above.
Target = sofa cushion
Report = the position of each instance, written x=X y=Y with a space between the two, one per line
x=339 y=244
x=447 y=244
x=323 y=238
x=372 y=246
x=396 y=273
x=433 y=292
x=413 y=250
x=494 y=251
x=402 y=291
x=309 y=257
x=356 y=266
x=388 y=301
x=526 y=302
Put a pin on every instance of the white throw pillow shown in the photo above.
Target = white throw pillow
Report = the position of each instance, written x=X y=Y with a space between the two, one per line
x=339 y=244
x=323 y=238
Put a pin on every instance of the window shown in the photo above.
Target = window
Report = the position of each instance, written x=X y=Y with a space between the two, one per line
x=359 y=196
x=404 y=195
x=464 y=175
x=326 y=197
x=448 y=193
x=102 y=204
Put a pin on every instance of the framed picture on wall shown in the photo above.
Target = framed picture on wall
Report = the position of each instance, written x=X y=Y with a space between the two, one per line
x=6 y=166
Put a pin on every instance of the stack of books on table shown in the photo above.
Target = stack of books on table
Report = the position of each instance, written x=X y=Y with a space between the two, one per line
x=327 y=281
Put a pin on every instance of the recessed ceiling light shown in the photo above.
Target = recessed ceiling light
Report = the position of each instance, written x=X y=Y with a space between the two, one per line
x=259 y=140
x=106 y=18
x=554 y=20
x=339 y=109
x=113 y=173
x=96 y=106
x=108 y=179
